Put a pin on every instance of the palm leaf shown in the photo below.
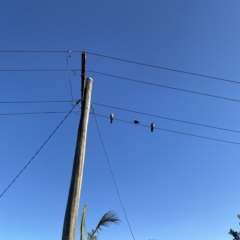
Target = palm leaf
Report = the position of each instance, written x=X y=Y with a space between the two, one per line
x=83 y=223
x=106 y=220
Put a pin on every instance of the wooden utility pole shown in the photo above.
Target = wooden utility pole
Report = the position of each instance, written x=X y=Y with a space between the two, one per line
x=83 y=75
x=69 y=225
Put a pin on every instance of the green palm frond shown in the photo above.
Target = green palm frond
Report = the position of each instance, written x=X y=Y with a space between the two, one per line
x=91 y=236
x=83 y=223
x=106 y=220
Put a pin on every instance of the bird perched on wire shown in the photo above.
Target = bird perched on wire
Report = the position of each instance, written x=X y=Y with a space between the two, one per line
x=111 y=117
x=136 y=121
x=152 y=126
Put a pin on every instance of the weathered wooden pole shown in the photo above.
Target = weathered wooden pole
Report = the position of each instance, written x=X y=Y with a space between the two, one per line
x=83 y=73
x=71 y=213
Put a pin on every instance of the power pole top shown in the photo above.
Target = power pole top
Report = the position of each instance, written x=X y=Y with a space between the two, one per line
x=83 y=75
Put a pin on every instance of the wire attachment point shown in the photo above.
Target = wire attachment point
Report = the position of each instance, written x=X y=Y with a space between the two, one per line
x=69 y=53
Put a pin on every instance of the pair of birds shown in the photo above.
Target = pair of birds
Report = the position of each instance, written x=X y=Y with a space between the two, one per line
x=134 y=120
x=151 y=125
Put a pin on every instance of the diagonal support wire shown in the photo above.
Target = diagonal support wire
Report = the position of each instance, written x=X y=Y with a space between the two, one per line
x=38 y=150
x=110 y=168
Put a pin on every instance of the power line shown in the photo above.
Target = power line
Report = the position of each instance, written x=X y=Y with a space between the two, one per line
x=40 y=70
x=34 y=113
x=167 y=118
x=123 y=60
x=164 y=86
x=39 y=51
x=33 y=102
x=39 y=149
x=114 y=181
x=69 y=77
x=172 y=131
x=124 y=78
x=165 y=68
x=114 y=107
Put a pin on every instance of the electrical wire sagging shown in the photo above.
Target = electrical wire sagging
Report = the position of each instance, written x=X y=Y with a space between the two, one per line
x=172 y=131
x=168 y=118
x=164 y=86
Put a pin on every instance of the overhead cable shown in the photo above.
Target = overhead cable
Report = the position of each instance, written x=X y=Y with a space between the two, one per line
x=110 y=168
x=5 y=190
x=35 y=113
x=172 y=131
x=69 y=76
x=37 y=101
x=39 y=51
x=167 y=118
x=165 y=68
x=40 y=70
x=124 y=60
x=165 y=86
x=104 y=105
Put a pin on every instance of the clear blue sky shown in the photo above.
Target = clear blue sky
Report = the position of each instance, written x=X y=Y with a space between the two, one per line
x=172 y=186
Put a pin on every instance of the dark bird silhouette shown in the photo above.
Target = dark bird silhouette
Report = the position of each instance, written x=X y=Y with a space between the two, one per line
x=111 y=117
x=135 y=121
x=152 y=126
